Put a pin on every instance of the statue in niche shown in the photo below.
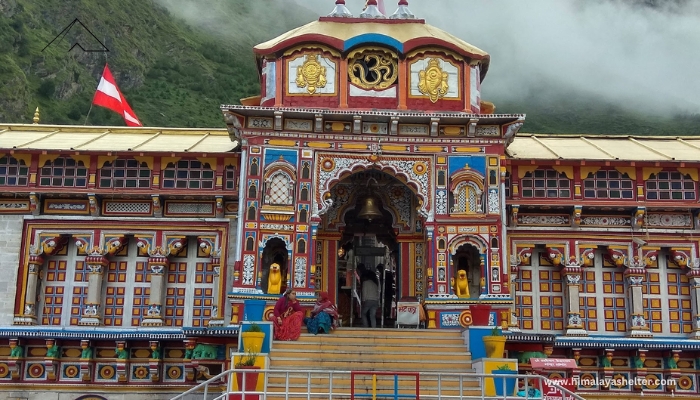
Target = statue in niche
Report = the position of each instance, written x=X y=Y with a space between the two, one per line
x=274 y=279
x=461 y=284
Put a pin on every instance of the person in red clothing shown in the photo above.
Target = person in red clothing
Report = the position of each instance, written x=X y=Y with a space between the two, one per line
x=288 y=317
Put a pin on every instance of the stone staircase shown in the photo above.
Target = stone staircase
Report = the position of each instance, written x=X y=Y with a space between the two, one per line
x=380 y=350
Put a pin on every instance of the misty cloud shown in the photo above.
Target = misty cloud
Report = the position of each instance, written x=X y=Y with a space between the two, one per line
x=642 y=58
x=638 y=57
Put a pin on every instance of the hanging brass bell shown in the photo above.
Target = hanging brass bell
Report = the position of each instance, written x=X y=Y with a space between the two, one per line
x=370 y=210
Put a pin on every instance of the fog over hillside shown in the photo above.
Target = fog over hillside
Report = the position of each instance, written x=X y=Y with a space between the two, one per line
x=623 y=52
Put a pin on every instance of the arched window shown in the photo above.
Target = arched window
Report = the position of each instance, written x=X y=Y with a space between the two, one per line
x=608 y=184
x=125 y=173
x=303 y=216
x=254 y=167
x=546 y=183
x=251 y=213
x=252 y=191
x=13 y=172
x=301 y=246
x=306 y=171
x=188 y=174
x=279 y=190
x=250 y=244
x=304 y=194
x=494 y=243
x=63 y=172
x=467 y=198
x=670 y=185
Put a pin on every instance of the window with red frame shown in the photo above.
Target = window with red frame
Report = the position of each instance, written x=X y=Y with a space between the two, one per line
x=188 y=174
x=670 y=185
x=230 y=178
x=63 y=172
x=13 y=172
x=545 y=183
x=608 y=184
x=125 y=173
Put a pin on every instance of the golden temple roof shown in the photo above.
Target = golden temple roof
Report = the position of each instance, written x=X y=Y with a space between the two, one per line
x=604 y=148
x=345 y=33
x=111 y=138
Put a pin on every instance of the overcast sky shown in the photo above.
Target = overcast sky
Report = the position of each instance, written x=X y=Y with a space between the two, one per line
x=632 y=55
x=635 y=56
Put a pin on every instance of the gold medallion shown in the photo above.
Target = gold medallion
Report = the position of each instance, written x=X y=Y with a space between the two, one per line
x=311 y=74
x=432 y=81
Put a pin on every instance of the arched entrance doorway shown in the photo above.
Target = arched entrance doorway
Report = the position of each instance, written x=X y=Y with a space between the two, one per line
x=275 y=254
x=466 y=264
x=383 y=244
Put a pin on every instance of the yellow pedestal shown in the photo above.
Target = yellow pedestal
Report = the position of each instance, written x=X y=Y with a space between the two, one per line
x=261 y=361
x=490 y=366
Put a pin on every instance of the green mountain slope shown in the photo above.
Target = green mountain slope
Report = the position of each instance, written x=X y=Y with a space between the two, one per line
x=171 y=73
x=177 y=74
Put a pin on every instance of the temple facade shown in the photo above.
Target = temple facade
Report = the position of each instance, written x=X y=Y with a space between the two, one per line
x=129 y=253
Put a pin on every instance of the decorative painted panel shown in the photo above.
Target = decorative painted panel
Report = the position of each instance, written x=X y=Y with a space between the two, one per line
x=54 y=292
x=115 y=291
x=588 y=300
x=551 y=299
x=79 y=295
x=524 y=309
x=614 y=300
x=435 y=78
x=311 y=74
x=653 y=311
x=679 y=315
x=141 y=293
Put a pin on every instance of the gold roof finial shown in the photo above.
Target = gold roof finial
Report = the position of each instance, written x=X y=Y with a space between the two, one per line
x=36 y=116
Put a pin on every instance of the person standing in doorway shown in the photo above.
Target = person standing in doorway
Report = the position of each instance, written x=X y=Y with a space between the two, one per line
x=370 y=298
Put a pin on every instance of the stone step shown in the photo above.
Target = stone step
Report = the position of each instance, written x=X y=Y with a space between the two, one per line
x=369 y=354
x=386 y=381
x=388 y=347
x=375 y=340
x=360 y=364
x=392 y=331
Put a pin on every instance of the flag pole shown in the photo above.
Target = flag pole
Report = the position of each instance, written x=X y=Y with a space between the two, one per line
x=91 y=102
x=88 y=114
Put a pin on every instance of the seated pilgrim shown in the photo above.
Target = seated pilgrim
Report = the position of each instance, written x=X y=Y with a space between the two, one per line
x=324 y=316
x=288 y=317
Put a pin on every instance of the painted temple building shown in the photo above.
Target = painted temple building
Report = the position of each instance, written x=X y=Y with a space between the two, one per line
x=128 y=253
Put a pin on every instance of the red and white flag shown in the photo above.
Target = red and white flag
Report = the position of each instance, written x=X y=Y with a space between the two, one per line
x=109 y=96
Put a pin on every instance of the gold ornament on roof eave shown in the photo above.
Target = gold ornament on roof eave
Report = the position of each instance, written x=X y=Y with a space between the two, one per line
x=432 y=81
x=383 y=66
x=311 y=74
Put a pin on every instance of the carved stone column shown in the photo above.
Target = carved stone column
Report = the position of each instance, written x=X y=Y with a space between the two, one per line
x=571 y=273
x=29 y=315
x=694 y=281
x=634 y=275
x=92 y=314
x=156 y=266
x=47 y=246
x=217 y=314
x=512 y=276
